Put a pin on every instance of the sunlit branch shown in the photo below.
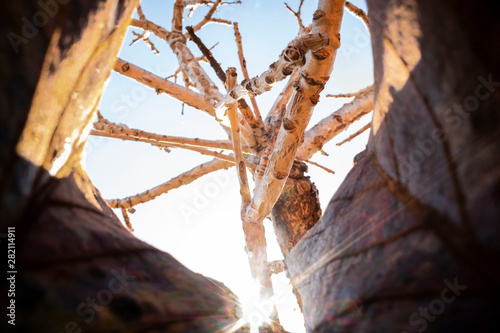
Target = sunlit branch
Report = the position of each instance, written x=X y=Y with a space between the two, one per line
x=352 y=136
x=176 y=182
x=177 y=16
x=334 y=124
x=161 y=85
x=119 y=132
x=313 y=77
x=258 y=132
x=318 y=165
x=281 y=101
x=359 y=13
x=235 y=136
x=107 y=130
x=243 y=64
x=277 y=266
x=297 y=15
x=292 y=57
x=356 y=94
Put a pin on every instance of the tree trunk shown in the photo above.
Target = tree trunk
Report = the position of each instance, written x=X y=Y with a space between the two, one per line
x=410 y=241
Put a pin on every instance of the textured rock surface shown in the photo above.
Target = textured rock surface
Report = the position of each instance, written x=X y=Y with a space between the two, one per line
x=419 y=212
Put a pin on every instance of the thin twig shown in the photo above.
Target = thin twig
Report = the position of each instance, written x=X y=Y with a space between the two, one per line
x=160 y=85
x=126 y=218
x=337 y=122
x=176 y=182
x=292 y=57
x=235 y=135
x=243 y=64
x=352 y=136
x=208 y=55
x=119 y=132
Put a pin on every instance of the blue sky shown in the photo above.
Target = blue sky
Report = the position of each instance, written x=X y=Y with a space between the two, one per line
x=199 y=224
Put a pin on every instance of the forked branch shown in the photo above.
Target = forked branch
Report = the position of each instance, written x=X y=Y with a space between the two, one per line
x=292 y=57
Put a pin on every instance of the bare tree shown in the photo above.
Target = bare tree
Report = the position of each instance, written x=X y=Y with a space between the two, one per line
x=276 y=149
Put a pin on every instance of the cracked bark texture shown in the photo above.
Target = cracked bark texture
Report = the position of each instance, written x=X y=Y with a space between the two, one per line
x=420 y=209
x=78 y=268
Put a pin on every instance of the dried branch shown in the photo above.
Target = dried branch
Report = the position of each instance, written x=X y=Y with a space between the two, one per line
x=220 y=21
x=243 y=64
x=161 y=85
x=326 y=22
x=113 y=130
x=144 y=37
x=235 y=135
x=292 y=57
x=124 y=133
x=334 y=124
x=207 y=17
x=352 y=136
x=177 y=16
x=298 y=16
x=318 y=165
x=177 y=43
x=356 y=94
x=264 y=160
x=258 y=132
x=359 y=13
x=176 y=182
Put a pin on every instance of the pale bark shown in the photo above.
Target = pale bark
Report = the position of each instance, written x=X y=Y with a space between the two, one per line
x=352 y=136
x=326 y=22
x=235 y=137
x=161 y=85
x=334 y=124
x=176 y=182
x=115 y=130
x=282 y=100
x=243 y=65
x=292 y=57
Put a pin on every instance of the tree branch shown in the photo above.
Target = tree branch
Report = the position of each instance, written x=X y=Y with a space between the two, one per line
x=111 y=131
x=298 y=16
x=176 y=182
x=326 y=23
x=334 y=124
x=235 y=135
x=359 y=13
x=160 y=85
x=292 y=57
x=243 y=64
x=352 y=136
